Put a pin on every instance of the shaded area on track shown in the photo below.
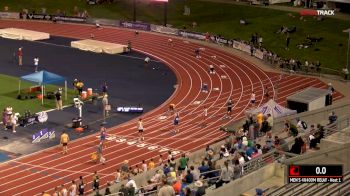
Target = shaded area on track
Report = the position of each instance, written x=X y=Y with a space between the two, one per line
x=129 y=83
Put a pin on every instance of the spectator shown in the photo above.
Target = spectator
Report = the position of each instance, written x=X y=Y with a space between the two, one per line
x=108 y=191
x=296 y=147
x=166 y=189
x=195 y=173
x=177 y=186
x=260 y=41
x=105 y=106
x=203 y=168
x=131 y=185
x=117 y=176
x=125 y=166
x=330 y=93
x=161 y=160
x=346 y=73
x=58 y=96
x=301 y=126
x=200 y=188
x=104 y=88
x=189 y=177
x=166 y=169
x=188 y=191
x=226 y=175
x=183 y=163
x=237 y=170
x=287 y=41
x=80 y=86
x=123 y=190
x=172 y=173
x=172 y=163
x=312 y=141
x=137 y=170
x=332 y=118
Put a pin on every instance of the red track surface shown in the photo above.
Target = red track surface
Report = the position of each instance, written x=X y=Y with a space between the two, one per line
x=44 y=170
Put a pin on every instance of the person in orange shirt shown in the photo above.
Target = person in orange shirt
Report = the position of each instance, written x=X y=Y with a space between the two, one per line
x=64 y=142
x=151 y=164
x=177 y=186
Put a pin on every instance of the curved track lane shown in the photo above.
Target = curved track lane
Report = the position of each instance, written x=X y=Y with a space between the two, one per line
x=235 y=78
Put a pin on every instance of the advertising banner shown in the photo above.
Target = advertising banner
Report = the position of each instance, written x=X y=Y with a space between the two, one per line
x=135 y=25
x=70 y=19
x=192 y=35
x=165 y=30
x=9 y=15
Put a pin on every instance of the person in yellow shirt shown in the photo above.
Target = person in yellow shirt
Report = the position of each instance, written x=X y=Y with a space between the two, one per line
x=64 y=142
x=45 y=194
x=151 y=164
x=260 y=118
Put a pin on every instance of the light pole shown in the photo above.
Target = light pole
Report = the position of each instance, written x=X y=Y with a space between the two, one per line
x=165 y=12
x=347 y=55
x=134 y=11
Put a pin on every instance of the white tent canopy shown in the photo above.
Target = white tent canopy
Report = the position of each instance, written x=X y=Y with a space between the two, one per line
x=273 y=108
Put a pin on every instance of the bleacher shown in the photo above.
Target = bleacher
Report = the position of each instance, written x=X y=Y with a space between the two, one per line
x=264 y=162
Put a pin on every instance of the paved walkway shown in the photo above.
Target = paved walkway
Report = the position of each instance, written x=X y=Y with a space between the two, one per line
x=338 y=15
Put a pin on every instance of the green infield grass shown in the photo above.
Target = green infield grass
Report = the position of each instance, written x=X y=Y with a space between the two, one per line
x=9 y=92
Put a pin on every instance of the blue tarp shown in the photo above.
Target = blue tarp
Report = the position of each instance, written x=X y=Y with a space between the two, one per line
x=43 y=78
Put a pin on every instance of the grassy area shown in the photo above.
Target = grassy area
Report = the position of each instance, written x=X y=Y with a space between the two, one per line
x=223 y=19
x=9 y=92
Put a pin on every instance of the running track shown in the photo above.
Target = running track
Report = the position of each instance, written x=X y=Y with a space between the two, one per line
x=235 y=78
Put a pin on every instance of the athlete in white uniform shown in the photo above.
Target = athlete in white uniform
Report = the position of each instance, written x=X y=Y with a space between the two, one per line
x=140 y=129
x=252 y=98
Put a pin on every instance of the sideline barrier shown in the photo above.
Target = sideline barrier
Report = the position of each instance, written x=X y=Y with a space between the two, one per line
x=9 y=15
x=49 y=17
x=164 y=30
x=135 y=25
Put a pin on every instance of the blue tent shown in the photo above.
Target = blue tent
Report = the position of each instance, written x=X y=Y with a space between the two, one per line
x=43 y=78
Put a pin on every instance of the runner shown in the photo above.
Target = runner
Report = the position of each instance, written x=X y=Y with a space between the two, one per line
x=176 y=122
x=197 y=53
x=81 y=187
x=252 y=98
x=170 y=42
x=266 y=94
x=205 y=115
x=211 y=69
x=103 y=135
x=56 y=192
x=171 y=108
x=64 y=191
x=96 y=182
x=73 y=189
x=205 y=87
x=229 y=108
x=140 y=128
x=64 y=142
